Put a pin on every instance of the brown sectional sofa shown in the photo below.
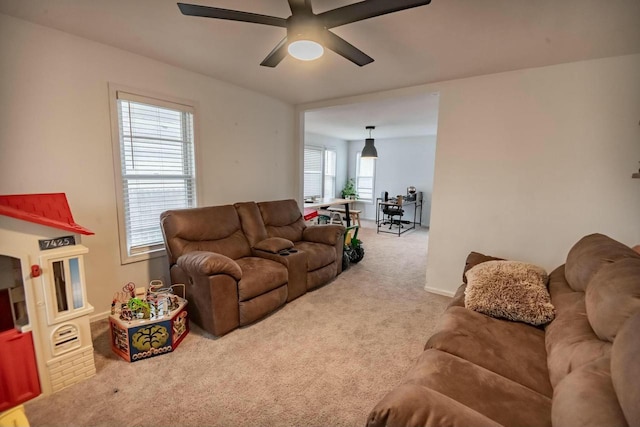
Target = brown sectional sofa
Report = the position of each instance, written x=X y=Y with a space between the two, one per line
x=581 y=369
x=241 y=262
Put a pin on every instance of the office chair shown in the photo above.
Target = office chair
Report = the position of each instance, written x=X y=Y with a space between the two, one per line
x=390 y=211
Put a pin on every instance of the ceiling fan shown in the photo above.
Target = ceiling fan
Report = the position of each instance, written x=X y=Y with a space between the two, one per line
x=307 y=32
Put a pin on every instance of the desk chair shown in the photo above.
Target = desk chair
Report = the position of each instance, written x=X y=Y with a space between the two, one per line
x=390 y=211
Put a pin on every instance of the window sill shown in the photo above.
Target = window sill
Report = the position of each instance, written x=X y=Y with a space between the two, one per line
x=142 y=256
x=364 y=202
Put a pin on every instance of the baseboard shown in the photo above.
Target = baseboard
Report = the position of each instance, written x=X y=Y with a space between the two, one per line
x=99 y=316
x=439 y=291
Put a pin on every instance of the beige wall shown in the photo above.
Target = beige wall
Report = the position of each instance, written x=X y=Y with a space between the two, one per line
x=55 y=136
x=530 y=161
x=527 y=161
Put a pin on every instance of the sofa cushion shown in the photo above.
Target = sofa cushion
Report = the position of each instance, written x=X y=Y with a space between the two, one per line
x=260 y=306
x=589 y=254
x=259 y=276
x=613 y=296
x=571 y=342
x=492 y=395
x=512 y=349
x=417 y=406
x=569 y=339
x=210 y=229
x=586 y=398
x=558 y=285
x=509 y=289
x=251 y=220
x=458 y=297
x=318 y=254
x=282 y=218
x=321 y=276
x=625 y=369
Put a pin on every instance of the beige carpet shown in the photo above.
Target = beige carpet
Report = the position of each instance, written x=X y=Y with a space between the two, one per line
x=324 y=359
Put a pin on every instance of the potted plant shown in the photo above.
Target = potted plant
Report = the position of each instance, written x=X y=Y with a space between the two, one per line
x=349 y=190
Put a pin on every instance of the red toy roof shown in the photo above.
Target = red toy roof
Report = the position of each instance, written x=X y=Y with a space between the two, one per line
x=51 y=210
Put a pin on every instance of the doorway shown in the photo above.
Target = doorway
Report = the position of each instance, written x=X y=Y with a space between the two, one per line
x=405 y=136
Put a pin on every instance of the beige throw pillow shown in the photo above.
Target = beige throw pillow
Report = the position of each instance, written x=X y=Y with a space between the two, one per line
x=510 y=289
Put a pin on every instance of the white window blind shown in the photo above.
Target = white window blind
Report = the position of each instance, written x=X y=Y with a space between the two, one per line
x=329 y=173
x=157 y=166
x=365 y=177
x=312 y=172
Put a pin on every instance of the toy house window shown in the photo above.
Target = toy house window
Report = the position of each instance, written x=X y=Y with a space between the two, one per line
x=71 y=282
x=156 y=169
x=65 y=291
x=60 y=285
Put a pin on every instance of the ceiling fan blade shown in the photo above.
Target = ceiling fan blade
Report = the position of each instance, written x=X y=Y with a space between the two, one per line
x=345 y=49
x=300 y=6
x=232 y=15
x=277 y=54
x=366 y=9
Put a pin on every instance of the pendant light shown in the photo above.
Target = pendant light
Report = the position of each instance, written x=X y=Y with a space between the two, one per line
x=369 y=150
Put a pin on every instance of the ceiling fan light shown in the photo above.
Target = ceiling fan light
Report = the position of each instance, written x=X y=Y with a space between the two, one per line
x=305 y=50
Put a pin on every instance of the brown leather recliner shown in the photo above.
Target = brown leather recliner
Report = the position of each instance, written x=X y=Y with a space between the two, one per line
x=226 y=285
x=236 y=272
x=322 y=244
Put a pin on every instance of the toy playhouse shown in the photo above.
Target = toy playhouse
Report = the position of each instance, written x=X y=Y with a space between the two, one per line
x=45 y=337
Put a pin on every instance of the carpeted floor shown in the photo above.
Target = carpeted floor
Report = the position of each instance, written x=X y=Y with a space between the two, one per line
x=324 y=359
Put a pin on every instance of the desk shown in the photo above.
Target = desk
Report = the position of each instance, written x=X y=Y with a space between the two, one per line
x=326 y=202
x=404 y=204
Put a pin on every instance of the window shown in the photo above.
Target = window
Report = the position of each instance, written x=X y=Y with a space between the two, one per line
x=319 y=172
x=329 y=173
x=312 y=172
x=365 y=171
x=155 y=169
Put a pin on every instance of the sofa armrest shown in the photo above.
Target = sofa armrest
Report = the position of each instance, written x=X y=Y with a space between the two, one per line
x=328 y=234
x=209 y=263
x=273 y=245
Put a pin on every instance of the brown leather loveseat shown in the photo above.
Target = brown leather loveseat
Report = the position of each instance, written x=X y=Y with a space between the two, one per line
x=237 y=269
x=581 y=369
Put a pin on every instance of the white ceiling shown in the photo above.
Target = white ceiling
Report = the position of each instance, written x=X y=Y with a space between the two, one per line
x=406 y=116
x=445 y=40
